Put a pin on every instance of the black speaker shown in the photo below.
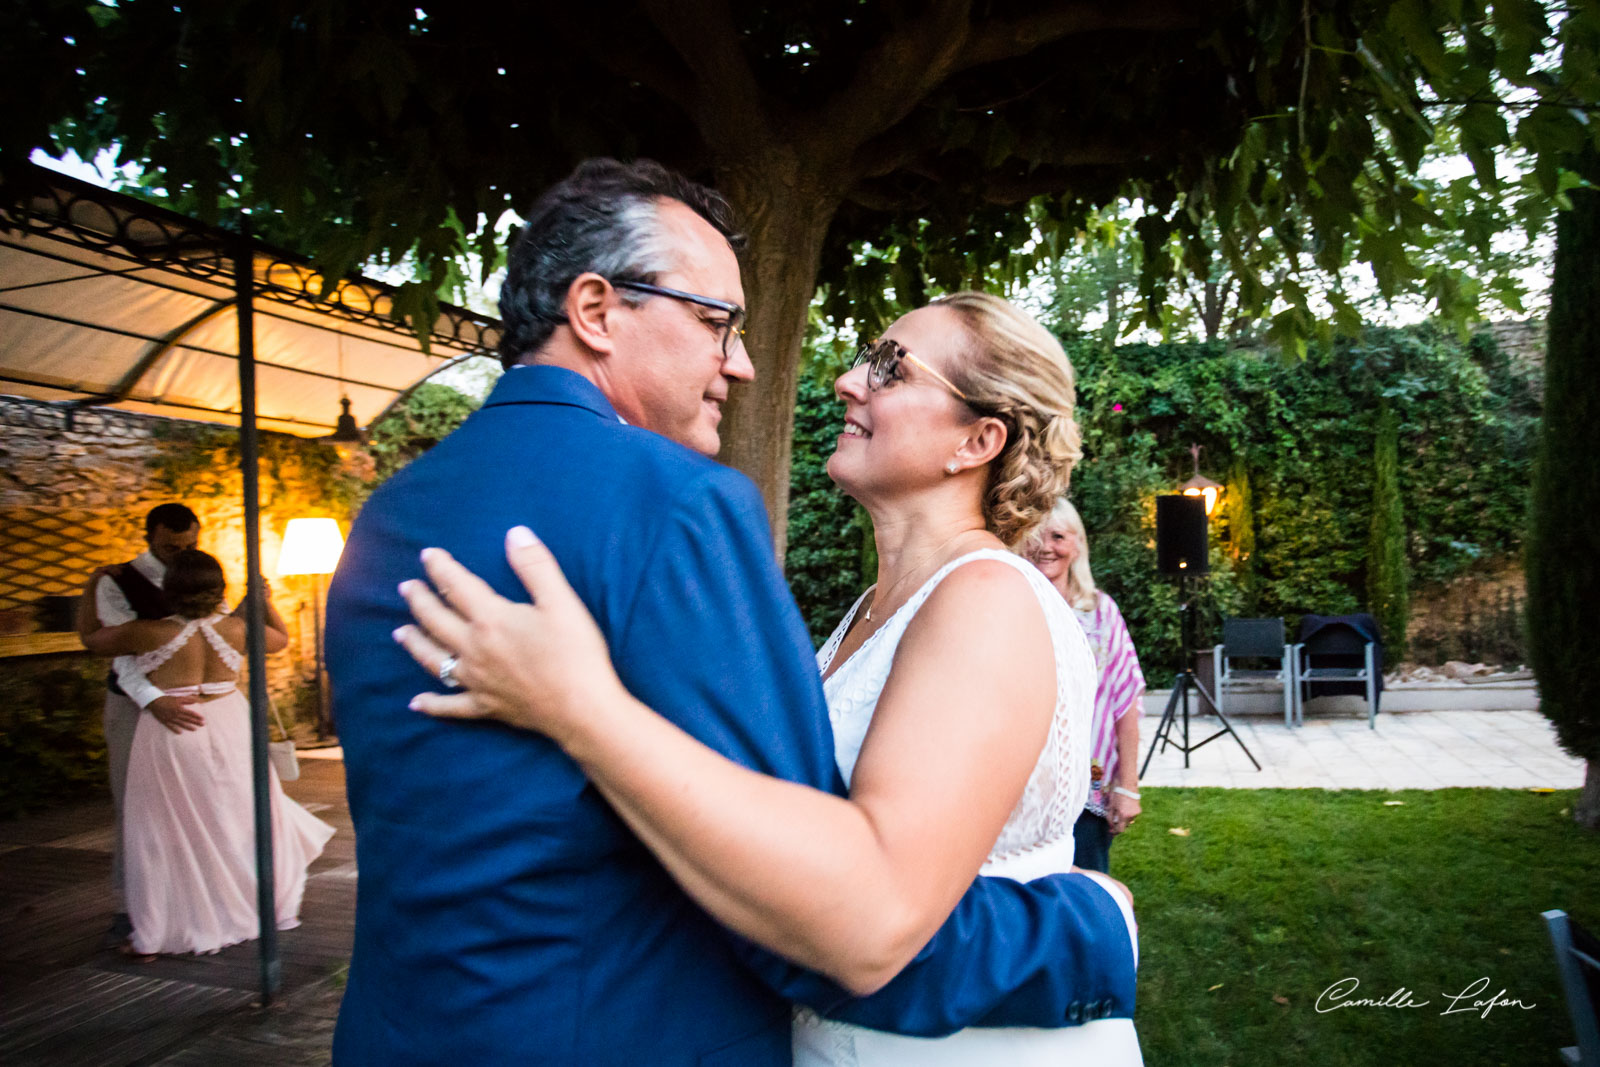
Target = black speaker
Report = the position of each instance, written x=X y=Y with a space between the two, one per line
x=1181 y=535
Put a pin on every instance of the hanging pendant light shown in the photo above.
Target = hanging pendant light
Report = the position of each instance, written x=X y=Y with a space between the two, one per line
x=345 y=431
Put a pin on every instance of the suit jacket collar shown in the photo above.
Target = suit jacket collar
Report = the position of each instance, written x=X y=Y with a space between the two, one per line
x=540 y=384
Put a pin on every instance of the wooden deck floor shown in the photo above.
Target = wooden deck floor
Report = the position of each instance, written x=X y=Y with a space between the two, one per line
x=67 y=998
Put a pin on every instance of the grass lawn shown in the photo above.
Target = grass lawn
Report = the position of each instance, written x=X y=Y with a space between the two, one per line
x=1276 y=894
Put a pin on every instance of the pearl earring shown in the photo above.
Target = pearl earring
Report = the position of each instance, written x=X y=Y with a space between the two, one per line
x=950 y=468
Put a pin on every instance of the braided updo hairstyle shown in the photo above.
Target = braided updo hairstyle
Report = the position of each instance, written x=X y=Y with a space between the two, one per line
x=1015 y=369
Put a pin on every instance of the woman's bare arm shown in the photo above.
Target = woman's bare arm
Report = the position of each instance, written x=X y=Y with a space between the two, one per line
x=850 y=888
x=276 y=633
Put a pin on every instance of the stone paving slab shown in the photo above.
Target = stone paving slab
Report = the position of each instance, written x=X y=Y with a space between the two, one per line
x=1408 y=750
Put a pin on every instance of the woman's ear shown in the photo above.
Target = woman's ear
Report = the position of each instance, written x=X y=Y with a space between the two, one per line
x=984 y=441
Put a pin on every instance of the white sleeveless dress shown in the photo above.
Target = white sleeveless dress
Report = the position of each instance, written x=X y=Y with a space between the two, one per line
x=189 y=821
x=1035 y=841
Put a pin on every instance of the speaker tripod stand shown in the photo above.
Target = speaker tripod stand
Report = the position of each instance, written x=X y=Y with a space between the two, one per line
x=1179 y=700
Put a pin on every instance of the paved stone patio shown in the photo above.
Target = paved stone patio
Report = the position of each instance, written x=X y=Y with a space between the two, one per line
x=1408 y=750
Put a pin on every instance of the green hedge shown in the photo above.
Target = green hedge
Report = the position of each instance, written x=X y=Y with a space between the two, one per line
x=831 y=555
x=52 y=746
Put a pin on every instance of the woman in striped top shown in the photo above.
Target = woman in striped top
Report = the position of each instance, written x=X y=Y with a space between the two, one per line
x=1060 y=549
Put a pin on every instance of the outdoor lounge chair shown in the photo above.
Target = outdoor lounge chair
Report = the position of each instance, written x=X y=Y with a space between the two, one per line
x=1339 y=654
x=1257 y=639
x=1578 y=961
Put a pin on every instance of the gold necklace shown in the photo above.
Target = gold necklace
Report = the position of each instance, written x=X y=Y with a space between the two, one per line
x=920 y=563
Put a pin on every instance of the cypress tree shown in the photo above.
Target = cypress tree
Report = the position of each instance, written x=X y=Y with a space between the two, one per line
x=1239 y=507
x=1563 y=544
x=1388 y=595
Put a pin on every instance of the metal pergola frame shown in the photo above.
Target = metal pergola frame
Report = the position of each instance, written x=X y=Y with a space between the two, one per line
x=64 y=223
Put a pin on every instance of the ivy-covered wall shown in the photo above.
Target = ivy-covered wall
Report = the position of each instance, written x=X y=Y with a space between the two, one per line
x=1294 y=444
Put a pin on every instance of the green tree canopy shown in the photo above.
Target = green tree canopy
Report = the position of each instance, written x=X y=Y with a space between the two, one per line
x=379 y=128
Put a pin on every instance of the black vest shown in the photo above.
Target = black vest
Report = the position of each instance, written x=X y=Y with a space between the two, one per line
x=144 y=597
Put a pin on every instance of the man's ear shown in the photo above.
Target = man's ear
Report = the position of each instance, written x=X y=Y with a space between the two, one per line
x=590 y=301
x=985 y=438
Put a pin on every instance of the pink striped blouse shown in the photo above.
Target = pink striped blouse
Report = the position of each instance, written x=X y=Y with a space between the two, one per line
x=1121 y=686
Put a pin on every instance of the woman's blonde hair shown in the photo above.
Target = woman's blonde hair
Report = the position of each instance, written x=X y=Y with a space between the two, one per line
x=1015 y=370
x=1081 y=591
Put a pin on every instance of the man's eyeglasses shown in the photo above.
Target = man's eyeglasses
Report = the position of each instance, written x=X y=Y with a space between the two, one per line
x=883 y=358
x=727 y=329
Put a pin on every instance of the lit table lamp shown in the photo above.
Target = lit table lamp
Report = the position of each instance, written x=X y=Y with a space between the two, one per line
x=312 y=546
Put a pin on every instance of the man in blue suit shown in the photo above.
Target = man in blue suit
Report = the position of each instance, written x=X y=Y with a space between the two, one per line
x=504 y=912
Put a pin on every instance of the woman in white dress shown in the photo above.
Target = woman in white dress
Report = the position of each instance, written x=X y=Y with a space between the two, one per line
x=188 y=820
x=960 y=688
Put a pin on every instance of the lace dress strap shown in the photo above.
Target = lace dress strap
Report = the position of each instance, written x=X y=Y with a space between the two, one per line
x=230 y=656
x=147 y=662
x=830 y=648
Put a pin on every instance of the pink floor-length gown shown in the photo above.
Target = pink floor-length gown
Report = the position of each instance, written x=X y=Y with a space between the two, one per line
x=189 y=822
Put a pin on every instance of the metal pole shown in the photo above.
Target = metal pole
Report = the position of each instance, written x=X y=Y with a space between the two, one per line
x=256 y=614
x=324 y=720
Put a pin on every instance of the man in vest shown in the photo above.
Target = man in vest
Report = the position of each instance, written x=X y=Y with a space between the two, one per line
x=120 y=594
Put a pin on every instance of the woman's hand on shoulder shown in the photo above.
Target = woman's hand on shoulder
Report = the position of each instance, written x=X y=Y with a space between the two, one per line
x=536 y=665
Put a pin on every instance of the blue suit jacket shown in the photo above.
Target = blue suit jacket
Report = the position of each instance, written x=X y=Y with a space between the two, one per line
x=504 y=913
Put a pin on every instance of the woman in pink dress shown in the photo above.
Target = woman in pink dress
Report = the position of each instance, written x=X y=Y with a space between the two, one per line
x=1060 y=549
x=189 y=825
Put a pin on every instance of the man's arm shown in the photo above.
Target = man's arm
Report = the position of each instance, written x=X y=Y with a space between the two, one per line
x=104 y=604
x=134 y=683
x=714 y=643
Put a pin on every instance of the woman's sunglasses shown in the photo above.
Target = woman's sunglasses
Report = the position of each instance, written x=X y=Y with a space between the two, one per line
x=883 y=358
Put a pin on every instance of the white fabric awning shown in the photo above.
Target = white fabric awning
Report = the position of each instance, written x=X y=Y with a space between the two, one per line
x=105 y=299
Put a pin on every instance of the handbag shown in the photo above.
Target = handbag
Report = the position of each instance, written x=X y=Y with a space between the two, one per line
x=281 y=753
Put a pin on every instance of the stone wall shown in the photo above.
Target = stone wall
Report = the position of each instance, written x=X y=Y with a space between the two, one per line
x=74 y=492
x=1524 y=341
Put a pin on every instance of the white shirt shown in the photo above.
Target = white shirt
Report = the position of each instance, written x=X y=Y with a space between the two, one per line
x=111 y=605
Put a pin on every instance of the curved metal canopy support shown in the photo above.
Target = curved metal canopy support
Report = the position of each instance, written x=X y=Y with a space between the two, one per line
x=158 y=348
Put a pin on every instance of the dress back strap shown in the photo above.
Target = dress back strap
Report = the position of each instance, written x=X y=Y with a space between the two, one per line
x=149 y=661
x=230 y=656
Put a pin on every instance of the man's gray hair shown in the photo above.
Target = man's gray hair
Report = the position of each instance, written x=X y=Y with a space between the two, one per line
x=604 y=218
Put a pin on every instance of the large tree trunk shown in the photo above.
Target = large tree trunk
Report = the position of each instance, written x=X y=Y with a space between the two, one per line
x=1587 y=811
x=785 y=210
x=1563 y=546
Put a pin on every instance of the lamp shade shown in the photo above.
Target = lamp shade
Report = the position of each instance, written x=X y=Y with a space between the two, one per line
x=310 y=546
